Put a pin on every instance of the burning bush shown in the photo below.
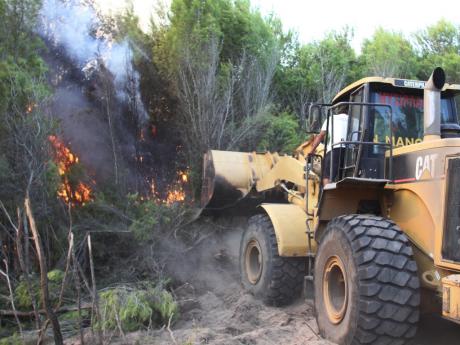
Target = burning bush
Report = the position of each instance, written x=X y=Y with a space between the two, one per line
x=70 y=191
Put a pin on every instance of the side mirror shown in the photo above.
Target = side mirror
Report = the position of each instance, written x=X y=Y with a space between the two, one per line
x=314 y=119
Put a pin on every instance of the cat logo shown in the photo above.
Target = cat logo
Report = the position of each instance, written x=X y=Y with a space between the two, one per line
x=425 y=166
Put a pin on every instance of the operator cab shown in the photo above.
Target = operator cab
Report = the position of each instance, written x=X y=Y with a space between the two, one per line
x=384 y=113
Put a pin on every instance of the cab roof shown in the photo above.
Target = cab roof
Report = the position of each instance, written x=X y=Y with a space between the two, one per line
x=403 y=83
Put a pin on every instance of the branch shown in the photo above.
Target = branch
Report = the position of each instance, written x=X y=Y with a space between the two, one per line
x=15 y=312
x=43 y=274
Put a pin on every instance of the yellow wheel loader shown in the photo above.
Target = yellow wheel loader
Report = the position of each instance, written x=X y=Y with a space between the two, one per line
x=380 y=242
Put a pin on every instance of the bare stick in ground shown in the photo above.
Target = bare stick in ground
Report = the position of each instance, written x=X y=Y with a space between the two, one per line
x=78 y=288
x=64 y=280
x=22 y=255
x=7 y=277
x=95 y=299
x=171 y=334
x=43 y=274
x=23 y=263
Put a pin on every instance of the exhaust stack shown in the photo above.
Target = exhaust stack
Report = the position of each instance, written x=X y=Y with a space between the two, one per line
x=432 y=105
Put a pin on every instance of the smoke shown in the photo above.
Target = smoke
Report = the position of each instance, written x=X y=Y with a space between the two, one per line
x=77 y=27
x=97 y=100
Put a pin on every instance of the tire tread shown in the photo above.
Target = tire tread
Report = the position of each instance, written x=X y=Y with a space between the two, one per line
x=389 y=294
x=287 y=273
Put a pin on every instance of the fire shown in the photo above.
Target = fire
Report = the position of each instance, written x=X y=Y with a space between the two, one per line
x=175 y=196
x=30 y=107
x=177 y=193
x=183 y=176
x=65 y=159
x=152 y=187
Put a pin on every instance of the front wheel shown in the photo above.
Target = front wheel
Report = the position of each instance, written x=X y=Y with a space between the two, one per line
x=366 y=284
x=274 y=279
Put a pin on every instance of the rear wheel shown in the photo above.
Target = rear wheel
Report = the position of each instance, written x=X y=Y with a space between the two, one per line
x=366 y=284
x=274 y=279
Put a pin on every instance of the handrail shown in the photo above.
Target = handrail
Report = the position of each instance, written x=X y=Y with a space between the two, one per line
x=360 y=142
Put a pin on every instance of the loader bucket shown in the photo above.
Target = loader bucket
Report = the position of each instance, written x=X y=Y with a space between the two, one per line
x=227 y=178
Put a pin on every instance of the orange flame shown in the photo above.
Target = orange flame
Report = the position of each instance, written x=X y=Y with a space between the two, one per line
x=177 y=193
x=30 y=107
x=65 y=159
x=174 y=196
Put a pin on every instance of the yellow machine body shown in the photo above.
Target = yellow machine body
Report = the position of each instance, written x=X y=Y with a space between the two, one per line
x=415 y=200
x=451 y=297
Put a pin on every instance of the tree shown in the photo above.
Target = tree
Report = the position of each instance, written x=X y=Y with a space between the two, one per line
x=440 y=38
x=26 y=168
x=233 y=23
x=282 y=135
x=439 y=45
x=388 y=54
x=314 y=72
x=335 y=58
x=220 y=57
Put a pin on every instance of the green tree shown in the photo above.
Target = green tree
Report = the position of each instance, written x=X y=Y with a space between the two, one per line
x=24 y=128
x=25 y=154
x=315 y=72
x=220 y=57
x=388 y=54
x=439 y=45
x=232 y=23
x=281 y=135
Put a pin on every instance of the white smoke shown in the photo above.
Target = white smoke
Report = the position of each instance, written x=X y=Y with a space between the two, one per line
x=77 y=28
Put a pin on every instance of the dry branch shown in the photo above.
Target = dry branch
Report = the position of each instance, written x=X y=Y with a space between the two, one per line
x=95 y=297
x=43 y=274
x=77 y=286
x=15 y=312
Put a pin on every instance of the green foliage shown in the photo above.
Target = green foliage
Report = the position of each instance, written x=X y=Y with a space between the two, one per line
x=315 y=72
x=440 y=38
x=15 y=339
x=388 y=54
x=56 y=276
x=24 y=126
x=146 y=216
x=23 y=298
x=439 y=45
x=239 y=29
x=282 y=134
x=134 y=308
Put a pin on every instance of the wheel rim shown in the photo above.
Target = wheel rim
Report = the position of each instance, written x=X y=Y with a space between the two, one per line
x=253 y=261
x=335 y=289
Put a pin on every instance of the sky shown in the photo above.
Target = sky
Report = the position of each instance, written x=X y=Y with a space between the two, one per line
x=313 y=19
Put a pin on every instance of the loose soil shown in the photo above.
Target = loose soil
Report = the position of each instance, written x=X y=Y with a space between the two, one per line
x=215 y=310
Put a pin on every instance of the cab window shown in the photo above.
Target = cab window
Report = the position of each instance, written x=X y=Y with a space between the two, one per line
x=407 y=123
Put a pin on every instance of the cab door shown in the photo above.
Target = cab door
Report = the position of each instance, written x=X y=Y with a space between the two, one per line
x=355 y=132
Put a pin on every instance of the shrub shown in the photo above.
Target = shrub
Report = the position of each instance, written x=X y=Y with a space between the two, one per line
x=15 y=339
x=21 y=294
x=132 y=308
x=282 y=134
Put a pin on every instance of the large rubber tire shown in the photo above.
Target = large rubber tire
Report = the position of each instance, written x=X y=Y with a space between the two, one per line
x=274 y=279
x=366 y=283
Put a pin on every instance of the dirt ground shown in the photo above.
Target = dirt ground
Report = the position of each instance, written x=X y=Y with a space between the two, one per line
x=215 y=310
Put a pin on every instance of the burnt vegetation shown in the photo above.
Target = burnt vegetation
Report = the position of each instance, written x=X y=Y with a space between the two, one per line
x=103 y=125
